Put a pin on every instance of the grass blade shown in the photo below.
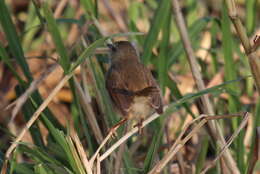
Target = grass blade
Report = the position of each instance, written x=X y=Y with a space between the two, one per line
x=13 y=39
x=159 y=18
x=56 y=36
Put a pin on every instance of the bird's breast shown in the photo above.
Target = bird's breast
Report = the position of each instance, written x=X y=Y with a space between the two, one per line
x=140 y=107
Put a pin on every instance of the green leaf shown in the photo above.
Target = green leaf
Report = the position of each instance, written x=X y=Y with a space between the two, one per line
x=56 y=36
x=251 y=14
x=159 y=18
x=13 y=39
x=163 y=55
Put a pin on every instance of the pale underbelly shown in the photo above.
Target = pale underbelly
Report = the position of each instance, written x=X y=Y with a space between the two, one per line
x=140 y=108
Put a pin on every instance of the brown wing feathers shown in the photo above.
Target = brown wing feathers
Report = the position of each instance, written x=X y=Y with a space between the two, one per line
x=122 y=93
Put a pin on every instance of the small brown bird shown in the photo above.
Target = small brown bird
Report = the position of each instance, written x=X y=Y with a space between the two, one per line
x=131 y=85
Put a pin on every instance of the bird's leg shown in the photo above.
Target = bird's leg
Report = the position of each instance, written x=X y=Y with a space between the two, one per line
x=116 y=126
x=139 y=125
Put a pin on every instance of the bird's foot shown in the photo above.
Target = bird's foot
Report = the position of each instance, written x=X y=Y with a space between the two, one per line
x=113 y=132
x=115 y=127
x=139 y=125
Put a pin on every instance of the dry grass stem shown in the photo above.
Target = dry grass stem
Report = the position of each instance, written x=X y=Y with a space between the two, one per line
x=81 y=152
x=254 y=60
x=179 y=143
x=128 y=135
x=62 y=4
x=98 y=165
x=33 y=86
x=35 y=116
x=214 y=128
x=110 y=134
x=231 y=139
x=83 y=73
x=86 y=106
x=118 y=19
x=256 y=43
x=256 y=152
x=195 y=68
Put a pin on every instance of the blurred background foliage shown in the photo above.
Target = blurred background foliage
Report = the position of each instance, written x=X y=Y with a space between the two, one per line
x=35 y=35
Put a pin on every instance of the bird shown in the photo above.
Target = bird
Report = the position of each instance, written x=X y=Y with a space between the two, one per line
x=131 y=86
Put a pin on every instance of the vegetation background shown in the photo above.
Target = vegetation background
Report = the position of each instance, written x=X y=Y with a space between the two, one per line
x=53 y=59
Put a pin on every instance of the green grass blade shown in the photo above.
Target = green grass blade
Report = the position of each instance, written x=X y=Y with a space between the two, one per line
x=40 y=169
x=128 y=163
x=81 y=124
x=39 y=155
x=102 y=93
x=202 y=155
x=194 y=30
x=7 y=61
x=159 y=18
x=37 y=101
x=13 y=39
x=230 y=73
x=192 y=6
x=251 y=14
x=200 y=93
x=32 y=26
x=155 y=144
x=56 y=36
x=227 y=46
x=162 y=61
x=89 y=7
x=28 y=110
x=24 y=169
x=65 y=144
x=177 y=94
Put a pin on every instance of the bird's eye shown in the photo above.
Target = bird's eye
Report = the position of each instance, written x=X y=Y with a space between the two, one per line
x=112 y=47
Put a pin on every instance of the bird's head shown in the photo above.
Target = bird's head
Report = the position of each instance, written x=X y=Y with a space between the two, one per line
x=122 y=50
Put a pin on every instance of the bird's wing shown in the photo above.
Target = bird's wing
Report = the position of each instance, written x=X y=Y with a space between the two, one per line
x=150 y=88
x=136 y=80
x=117 y=90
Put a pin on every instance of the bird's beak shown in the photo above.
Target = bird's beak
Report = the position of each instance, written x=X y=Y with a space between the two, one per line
x=111 y=47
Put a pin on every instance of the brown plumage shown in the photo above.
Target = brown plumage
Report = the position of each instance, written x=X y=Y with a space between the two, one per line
x=130 y=84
